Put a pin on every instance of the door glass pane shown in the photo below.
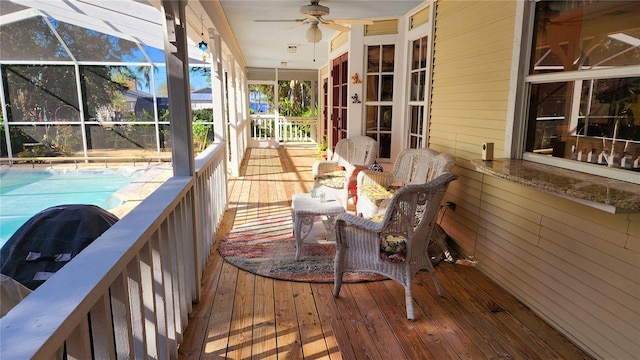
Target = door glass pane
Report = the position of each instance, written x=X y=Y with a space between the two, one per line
x=373 y=59
x=372 y=118
x=386 y=88
x=372 y=87
x=388 y=58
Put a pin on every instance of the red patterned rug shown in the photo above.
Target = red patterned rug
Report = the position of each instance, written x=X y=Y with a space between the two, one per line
x=267 y=247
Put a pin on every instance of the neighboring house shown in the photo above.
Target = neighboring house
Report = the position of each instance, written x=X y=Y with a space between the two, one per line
x=202 y=99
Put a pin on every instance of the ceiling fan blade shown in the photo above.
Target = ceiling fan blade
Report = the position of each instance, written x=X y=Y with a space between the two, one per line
x=333 y=26
x=299 y=24
x=353 y=21
x=289 y=20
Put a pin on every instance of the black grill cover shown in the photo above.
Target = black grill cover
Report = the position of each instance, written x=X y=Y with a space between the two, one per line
x=52 y=237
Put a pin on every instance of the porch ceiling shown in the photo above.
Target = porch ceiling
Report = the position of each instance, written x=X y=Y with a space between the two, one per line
x=265 y=44
x=261 y=44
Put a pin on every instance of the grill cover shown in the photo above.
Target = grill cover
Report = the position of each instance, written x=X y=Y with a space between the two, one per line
x=50 y=239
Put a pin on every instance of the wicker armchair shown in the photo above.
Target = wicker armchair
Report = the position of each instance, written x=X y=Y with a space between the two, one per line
x=395 y=247
x=353 y=154
x=412 y=166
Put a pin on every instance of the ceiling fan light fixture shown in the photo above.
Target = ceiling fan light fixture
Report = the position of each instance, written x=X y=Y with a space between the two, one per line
x=313 y=34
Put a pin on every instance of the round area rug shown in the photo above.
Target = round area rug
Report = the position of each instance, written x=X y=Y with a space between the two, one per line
x=267 y=247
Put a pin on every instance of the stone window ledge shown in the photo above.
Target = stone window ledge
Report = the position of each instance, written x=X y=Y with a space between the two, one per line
x=613 y=196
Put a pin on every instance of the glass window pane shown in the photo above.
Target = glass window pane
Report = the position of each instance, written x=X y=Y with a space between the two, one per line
x=387 y=88
x=372 y=87
x=423 y=52
x=373 y=59
x=388 y=57
x=386 y=119
x=30 y=39
x=38 y=93
x=415 y=54
x=423 y=80
x=586 y=118
x=415 y=86
x=574 y=35
x=602 y=124
x=385 y=146
x=372 y=118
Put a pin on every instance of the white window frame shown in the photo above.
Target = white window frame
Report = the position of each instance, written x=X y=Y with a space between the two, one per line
x=514 y=145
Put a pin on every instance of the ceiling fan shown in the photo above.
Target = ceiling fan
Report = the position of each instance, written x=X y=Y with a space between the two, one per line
x=314 y=16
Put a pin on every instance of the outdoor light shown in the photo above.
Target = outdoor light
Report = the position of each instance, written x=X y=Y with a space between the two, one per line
x=313 y=35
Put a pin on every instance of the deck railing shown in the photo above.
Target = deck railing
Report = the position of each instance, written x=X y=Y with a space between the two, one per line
x=283 y=129
x=129 y=293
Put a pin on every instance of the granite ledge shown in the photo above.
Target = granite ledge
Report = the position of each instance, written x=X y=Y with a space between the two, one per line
x=607 y=194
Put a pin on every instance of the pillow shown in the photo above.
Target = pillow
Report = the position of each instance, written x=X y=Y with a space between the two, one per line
x=375 y=167
x=393 y=248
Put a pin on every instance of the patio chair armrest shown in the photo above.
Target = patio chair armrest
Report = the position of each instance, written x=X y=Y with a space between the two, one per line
x=321 y=167
x=347 y=219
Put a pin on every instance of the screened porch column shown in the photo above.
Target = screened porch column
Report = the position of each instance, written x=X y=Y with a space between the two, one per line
x=177 y=60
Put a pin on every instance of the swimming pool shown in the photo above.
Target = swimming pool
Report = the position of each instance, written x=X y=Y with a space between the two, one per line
x=25 y=192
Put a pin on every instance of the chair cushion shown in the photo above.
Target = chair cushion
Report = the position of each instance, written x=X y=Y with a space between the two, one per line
x=376 y=193
x=333 y=179
x=393 y=248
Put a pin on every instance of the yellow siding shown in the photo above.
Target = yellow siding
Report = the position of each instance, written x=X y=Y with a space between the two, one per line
x=381 y=27
x=339 y=40
x=577 y=266
x=419 y=18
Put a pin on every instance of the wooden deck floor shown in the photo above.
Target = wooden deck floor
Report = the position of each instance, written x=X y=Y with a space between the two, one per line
x=244 y=316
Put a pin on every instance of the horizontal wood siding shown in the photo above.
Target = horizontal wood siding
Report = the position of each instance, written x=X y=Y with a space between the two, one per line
x=576 y=266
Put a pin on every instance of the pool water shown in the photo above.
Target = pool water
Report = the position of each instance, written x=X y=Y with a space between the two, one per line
x=24 y=193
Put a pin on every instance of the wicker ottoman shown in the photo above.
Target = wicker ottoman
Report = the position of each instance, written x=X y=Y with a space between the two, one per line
x=305 y=208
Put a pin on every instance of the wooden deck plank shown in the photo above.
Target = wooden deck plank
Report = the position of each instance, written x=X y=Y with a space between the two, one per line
x=288 y=336
x=537 y=328
x=311 y=336
x=216 y=337
x=472 y=306
x=245 y=316
x=333 y=327
x=383 y=337
x=241 y=334
x=264 y=343
x=431 y=308
x=192 y=345
x=415 y=346
x=362 y=342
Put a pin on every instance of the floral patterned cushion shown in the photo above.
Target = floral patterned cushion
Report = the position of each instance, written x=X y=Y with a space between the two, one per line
x=333 y=179
x=393 y=248
x=376 y=193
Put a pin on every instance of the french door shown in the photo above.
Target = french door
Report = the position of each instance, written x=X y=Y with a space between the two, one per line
x=339 y=97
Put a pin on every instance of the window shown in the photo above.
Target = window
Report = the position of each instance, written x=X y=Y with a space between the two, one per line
x=417 y=81
x=379 y=97
x=583 y=85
